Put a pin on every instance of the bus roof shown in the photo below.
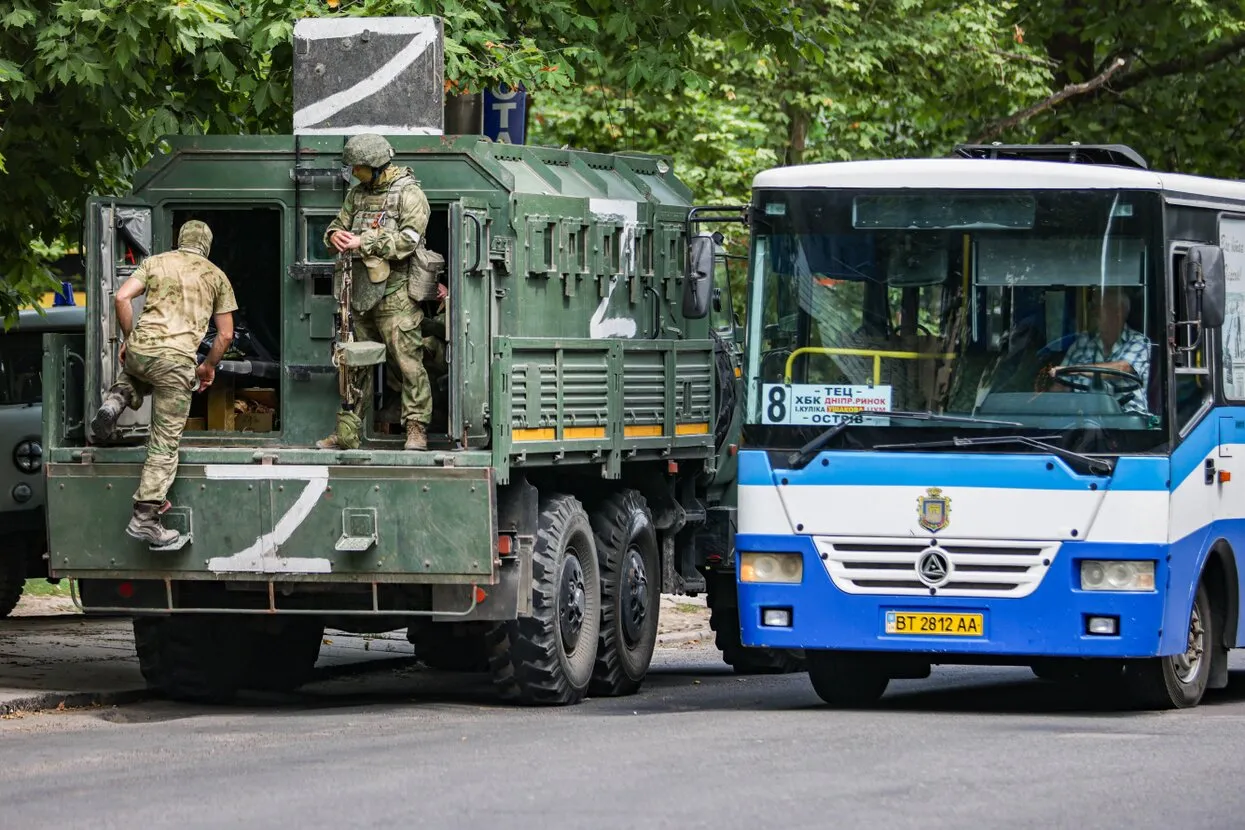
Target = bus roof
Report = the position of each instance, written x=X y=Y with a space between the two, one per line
x=995 y=174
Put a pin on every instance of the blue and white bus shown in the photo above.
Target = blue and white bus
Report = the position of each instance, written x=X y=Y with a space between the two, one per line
x=995 y=414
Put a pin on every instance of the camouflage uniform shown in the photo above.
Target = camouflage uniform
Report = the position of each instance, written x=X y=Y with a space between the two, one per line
x=183 y=290
x=390 y=215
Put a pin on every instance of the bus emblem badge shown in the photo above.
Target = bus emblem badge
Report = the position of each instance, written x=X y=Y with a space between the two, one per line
x=934 y=510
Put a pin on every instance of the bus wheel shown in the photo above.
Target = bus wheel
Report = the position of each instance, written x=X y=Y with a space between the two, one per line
x=548 y=657
x=1180 y=680
x=845 y=680
x=630 y=593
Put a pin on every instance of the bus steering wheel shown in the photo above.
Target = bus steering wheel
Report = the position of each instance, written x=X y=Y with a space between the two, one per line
x=1096 y=384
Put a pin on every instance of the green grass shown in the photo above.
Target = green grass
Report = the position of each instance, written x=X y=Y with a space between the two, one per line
x=43 y=588
x=689 y=608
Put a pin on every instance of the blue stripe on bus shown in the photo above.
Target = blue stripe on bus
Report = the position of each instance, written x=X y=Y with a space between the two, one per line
x=1011 y=470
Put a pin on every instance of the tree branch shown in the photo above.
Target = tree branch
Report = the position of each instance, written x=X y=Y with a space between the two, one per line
x=1069 y=91
x=1017 y=56
x=1176 y=66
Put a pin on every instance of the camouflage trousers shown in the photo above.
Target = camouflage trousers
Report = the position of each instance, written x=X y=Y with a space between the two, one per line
x=169 y=383
x=395 y=321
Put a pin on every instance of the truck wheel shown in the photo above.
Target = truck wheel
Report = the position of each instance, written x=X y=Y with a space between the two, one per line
x=192 y=657
x=282 y=653
x=845 y=680
x=547 y=658
x=458 y=647
x=12 y=580
x=724 y=620
x=1178 y=681
x=630 y=593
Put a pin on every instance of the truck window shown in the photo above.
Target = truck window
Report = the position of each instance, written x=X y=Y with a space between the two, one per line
x=21 y=366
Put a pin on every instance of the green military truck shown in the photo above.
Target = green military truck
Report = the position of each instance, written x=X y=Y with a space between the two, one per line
x=580 y=443
x=23 y=528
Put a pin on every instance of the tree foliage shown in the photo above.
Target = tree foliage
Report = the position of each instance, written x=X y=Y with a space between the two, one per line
x=728 y=87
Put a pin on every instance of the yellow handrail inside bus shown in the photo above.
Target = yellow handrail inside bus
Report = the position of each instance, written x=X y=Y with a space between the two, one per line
x=876 y=354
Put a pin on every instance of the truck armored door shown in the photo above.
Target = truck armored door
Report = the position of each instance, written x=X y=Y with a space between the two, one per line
x=469 y=335
x=118 y=238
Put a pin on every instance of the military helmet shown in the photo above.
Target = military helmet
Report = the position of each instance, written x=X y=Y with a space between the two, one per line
x=368 y=150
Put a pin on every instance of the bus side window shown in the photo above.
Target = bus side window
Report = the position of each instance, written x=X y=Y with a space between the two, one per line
x=1192 y=387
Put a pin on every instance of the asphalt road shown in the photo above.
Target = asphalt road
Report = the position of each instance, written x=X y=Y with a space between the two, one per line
x=966 y=748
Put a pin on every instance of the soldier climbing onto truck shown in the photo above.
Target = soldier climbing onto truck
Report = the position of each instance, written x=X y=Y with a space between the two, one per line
x=383 y=219
x=183 y=289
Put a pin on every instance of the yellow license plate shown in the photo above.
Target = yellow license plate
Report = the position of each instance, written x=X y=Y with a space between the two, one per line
x=937 y=625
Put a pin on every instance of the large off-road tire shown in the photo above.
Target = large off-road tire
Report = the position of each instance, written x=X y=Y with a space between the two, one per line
x=282 y=653
x=192 y=657
x=630 y=593
x=845 y=680
x=12 y=579
x=1178 y=681
x=458 y=647
x=724 y=620
x=547 y=658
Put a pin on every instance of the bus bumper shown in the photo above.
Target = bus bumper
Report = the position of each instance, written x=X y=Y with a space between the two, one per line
x=1052 y=621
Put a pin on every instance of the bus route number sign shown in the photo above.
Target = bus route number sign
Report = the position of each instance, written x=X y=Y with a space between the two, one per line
x=824 y=405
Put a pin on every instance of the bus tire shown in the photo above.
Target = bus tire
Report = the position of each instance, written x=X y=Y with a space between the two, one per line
x=198 y=658
x=845 y=680
x=1179 y=680
x=12 y=579
x=547 y=658
x=630 y=567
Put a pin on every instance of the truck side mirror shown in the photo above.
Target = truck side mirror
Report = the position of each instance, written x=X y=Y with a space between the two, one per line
x=1205 y=285
x=698 y=279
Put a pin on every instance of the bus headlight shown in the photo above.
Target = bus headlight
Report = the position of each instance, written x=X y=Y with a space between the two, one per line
x=771 y=567
x=1117 y=575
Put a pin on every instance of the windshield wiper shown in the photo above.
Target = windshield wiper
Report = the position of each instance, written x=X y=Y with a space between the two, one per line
x=806 y=453
x=1105 y=466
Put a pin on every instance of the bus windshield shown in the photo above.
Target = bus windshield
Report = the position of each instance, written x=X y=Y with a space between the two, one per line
x=1031 y=312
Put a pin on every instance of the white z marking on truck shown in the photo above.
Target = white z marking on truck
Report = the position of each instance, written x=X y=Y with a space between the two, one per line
x=261 y=556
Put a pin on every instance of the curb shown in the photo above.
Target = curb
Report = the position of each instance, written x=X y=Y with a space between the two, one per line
x=679 y=637
x=48 y=701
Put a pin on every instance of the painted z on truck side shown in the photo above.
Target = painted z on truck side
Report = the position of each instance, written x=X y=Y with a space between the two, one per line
x=572 y=455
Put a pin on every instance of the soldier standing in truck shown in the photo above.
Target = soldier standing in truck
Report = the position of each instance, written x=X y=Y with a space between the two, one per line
x=183 y=290
x=383 y=220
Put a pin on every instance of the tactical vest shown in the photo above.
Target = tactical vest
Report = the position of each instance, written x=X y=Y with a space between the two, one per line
x=378 y=210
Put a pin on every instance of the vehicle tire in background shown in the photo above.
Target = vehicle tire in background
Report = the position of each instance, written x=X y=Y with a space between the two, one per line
x=12 y=579
x=548 y=657
x=192 y=657
x=846 y=680
x=282 y=652
x=458 y=647
x=724 y=620
x=627 y=554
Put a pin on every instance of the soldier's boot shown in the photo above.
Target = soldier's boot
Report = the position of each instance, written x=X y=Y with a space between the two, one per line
x=330 y=443
x=416 y=436
x=145 y=524
x=105 y=421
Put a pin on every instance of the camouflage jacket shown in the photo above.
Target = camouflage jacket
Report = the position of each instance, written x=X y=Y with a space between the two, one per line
x=183 y=291
x=390 y=218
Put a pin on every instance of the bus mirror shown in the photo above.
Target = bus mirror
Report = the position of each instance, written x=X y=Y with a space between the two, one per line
x=698 y=280
x=1204 y=284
